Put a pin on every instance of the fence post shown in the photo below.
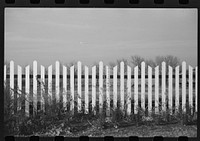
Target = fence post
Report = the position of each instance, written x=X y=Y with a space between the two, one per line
x=86 y=91
x=149 y=90
x=50 y=85
x=115 y=87
x=19 y=89
x=79 y=86
x=136 y=90
x=100 y=87
x=143 y=85
x=34 y=87
x=72 y=89
x=128 y=100
x=177 y=89
x=122 y=85
x=27 y=91
x=42 y=84
x=94 y=89
x=170 y=89
x=57 y=82
x=163 y=86
x=157 y=90
x=65 y=87
x=184 y=87
x=107 y=91
x=191 y=89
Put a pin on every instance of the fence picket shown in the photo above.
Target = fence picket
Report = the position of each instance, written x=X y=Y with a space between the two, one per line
x=143 y=85
x=107 y=91
x=12 y=80
x=115 y=87
x=183 y=87
x=196 y=88
x=34 y=87
x=86 y=91
x=49 y=84
x=57 y=86
x=65 y=87
x=122 y=86
x=128 y=100
x=94 y=89
x=177 y=89
x=170 y=89
x=136 y=90
x=42 y=84
x=72 y=89
x=191 y=88
x=27 y=90
x=163 y=86
x=157 y=90
x=149 y=89
x=19 y=87
x=79 y=86
x=100 y=87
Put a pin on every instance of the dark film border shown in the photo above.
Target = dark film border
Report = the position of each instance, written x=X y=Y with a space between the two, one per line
x=93 y=4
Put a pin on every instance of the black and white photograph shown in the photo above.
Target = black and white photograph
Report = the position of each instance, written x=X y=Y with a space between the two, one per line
x=100 y=72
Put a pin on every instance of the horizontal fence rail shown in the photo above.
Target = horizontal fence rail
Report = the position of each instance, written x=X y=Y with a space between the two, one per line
x=80 y=88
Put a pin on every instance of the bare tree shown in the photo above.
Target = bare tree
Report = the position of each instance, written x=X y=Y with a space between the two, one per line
x=136 y=61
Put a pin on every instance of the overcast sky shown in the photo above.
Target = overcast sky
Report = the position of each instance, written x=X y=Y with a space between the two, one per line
x=92 y=34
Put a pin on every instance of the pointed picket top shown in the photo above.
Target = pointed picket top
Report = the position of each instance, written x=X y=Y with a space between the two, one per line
x=50 y=66
x=57 y=63
x=100 y=63
x=183 y=63
x=79 y=63
x=163 y=63
x=11 y=62
x=142 y=63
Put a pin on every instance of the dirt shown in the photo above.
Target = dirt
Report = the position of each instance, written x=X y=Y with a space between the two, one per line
x=173 y=130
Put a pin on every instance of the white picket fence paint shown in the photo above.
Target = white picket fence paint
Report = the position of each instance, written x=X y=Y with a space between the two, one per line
x=96 y=92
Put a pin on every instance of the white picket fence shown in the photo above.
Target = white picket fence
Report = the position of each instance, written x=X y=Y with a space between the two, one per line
x=123 y=90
